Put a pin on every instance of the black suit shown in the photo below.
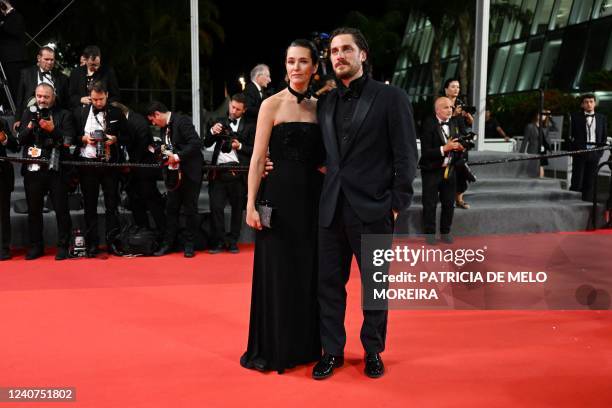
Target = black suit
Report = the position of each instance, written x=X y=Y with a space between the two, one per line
x=12 y=49
x=432 y=174
x=585 y=165
x=92 y=178
x=371 y=162
x=254 y=98
x=29 y=81
x=39 y=182
x=79 y=81
x=186 y=144
x=7 y=183
x=142 y=185
x=229 y=186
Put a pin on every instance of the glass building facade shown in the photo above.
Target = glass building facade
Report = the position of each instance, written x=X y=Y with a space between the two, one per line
x=554 y=45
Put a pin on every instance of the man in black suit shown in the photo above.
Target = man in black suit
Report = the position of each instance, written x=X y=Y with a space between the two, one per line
x=369 y=136
x=12 y=48
x=82 y=77
x=42 y=135
x=42 y=72
x=589 y=130
x=7 y=183
x=256 y=91
x=438 y=139
x=232 y=139
x=109 y=123
x=144 y=196
x=180 y=137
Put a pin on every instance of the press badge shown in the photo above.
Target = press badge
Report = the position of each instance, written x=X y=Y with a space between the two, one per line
x=446 y=160
x=34 y=152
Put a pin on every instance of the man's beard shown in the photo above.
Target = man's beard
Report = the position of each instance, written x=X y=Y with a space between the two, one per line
x=350 y=72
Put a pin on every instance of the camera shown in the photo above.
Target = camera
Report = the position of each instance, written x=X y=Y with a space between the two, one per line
x=161 y=151
x=225 y=138
x=467 y=141
x=39 y=113
x=99 y=138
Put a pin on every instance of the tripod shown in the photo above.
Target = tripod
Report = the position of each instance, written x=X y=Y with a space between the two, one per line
x=7 y=91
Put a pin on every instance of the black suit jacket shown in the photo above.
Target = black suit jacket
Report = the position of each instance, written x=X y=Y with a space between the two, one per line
x=63 y=134
x=138 y=148
x=376 y=171
x=29 y=81
x=7 y=175
x=115 y=124
x=187 y=145
x=78 y=84
x=432 y=139
x=253 y=101
x=579 y=131
x=245 y=134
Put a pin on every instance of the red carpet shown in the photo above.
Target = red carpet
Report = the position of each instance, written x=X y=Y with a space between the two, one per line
x=168 y=332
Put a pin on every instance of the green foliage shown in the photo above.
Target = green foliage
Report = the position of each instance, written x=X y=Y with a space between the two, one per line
x=599 y=80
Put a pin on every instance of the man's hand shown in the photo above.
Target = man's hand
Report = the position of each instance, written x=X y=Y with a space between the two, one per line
x=268 y=167
x=86 y=100
x=110 y=139
x=47 y=125
x=86 y=139
x=16 y=125
x=172 y=160
x=216 y=129
x=2 y=136
x=395 y=214
x=453 y=145
x=235 y=144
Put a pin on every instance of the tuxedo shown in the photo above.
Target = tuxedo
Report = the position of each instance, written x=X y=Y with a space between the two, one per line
x=142 y=182
x=254 y=98
x=78 y=84
x=224 y=186
x=29 y=80
x=38 y=180
x=432 y=164
x=585 y=165
x=92 y=178
x=371 y=156
x=7 y=184
x=186 y=143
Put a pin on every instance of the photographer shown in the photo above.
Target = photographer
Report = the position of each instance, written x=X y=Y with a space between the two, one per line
x=183 y=144
x=103 y=136
x=83 y=77
x=463 y=115
x=438 y=139
x=7 y=183
x=46 y=132
x=233 y=145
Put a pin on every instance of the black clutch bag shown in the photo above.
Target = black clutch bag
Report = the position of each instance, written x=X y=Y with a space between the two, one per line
x=266 y=211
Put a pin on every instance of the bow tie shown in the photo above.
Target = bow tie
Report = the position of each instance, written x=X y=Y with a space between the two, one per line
x=589 y=115
x=445 y=124
x=232 y=121
x=96 y=111
x=43 y=74
x=300 y=97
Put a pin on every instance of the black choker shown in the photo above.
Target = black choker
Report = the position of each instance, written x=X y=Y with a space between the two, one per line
x=300 y=97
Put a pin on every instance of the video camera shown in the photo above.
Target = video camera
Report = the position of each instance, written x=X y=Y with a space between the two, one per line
x=99 y=138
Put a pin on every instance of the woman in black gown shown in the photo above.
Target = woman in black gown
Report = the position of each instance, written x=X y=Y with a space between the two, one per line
x=283 y=330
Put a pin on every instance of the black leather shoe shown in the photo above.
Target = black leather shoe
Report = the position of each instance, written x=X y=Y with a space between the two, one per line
x=34 y=253
x=92 y=251
x=217 y=249
x=164 y=249
x=325 y=367
x=374 y=367
x=62 y=253
x=233 y=248
x=189 y=251
x=5 y=254
x=447 y=238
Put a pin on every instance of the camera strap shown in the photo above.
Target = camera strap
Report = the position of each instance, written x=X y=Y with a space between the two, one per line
x=98 y=120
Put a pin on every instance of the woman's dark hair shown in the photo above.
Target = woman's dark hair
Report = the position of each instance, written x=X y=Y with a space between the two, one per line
x=309 y=45
x=447 y=83
x=361 y=42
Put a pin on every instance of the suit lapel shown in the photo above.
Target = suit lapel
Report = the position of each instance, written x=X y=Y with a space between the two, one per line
x=329 y=129
x=440 y=133
x=364 y=103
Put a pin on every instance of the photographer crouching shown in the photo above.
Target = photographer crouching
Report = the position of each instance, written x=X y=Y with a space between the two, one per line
x=46 y=132
x=232 y=139
x=104 y=135
x=443 y=140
